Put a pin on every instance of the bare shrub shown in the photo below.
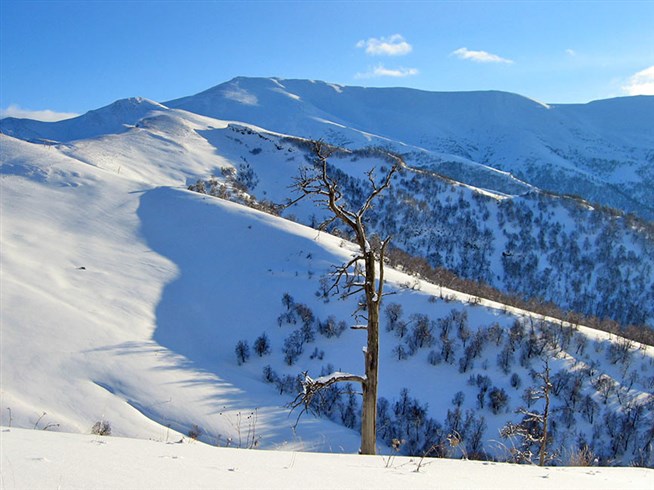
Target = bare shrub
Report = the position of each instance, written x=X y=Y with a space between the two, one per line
x=101 y=428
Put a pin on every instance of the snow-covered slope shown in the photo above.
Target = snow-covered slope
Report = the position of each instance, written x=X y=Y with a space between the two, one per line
x=124 y=296
x=601 y=151
x=84 y=305
x=174 y=147
x=114 y=118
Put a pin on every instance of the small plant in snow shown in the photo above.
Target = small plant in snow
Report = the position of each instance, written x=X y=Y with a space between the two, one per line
x=516 y=382
x=288 y=301
x=101 y=428
x=498 y=399
x=582 y=456
x=308 y=334
x=305 y=314
x=245 y=426
x=45 y=427
x=317 y=354
x=434 y=358
x=331 y=327
x=395 y=446
x=242 y=351
x=269 y=375
x=262 y=345
x=293 y=347
x=400 y=352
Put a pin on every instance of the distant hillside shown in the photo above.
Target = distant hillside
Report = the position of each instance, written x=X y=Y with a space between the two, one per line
x=602 y=151
x=536 y=245
x=114 y=118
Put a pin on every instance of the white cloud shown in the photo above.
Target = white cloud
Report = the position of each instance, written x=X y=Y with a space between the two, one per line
x=479 y=56
x=641 y=83
x=382 y=71
x=570 y=52
x=395 y=45
x=43 y=115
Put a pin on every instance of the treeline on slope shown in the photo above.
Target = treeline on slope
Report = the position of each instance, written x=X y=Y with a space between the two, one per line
x=549 y=254
x=600 y=263
x=443 y=277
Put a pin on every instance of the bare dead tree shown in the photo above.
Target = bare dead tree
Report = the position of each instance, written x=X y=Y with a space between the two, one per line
x=534 y=427
x=358 y=275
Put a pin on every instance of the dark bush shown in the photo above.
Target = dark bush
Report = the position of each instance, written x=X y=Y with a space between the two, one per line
x=242 y=351
x=262 y=345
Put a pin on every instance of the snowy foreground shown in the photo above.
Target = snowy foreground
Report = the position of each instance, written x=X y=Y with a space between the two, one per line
x=40 y=459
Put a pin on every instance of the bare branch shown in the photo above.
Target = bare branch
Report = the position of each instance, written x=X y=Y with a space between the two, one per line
x=312 y=387
x=376 y=190
x=353 y=292
x=382 y=252
x=343 y=271
x=290 y=202
x=323 y=226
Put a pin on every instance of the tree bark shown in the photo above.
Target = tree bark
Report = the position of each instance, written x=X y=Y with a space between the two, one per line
x=369 y=409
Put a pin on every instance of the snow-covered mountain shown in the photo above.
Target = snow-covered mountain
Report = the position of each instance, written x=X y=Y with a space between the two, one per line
x=124 y=294
x=114 y=118
x=602 y=151
x=606 y=263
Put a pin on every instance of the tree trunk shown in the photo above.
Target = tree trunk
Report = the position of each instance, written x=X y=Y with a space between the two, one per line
x=369 y=409
x=369 y=412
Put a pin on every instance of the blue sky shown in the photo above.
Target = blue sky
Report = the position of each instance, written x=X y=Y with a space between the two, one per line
x=70 y=57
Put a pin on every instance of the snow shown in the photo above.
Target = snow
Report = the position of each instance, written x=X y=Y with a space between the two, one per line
x=139 y=290
x=123 y=295
x=501 y=130
x=42 y=459
x=334 y=377
x=599 y=150
x=105 y=342
x=114 y=118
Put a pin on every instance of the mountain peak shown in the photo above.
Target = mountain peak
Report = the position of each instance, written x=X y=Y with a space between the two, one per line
x=128 y=104
x=110 y=119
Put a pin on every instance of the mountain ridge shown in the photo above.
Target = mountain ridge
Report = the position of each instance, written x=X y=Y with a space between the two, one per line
x=601 y=151
x=559 y=147
x=112 y=118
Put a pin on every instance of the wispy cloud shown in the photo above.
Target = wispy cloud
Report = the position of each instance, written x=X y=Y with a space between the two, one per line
x=640 y=83
x=382 y=71
x=570 y=52
x=394 y=45
x=40 y=115
x=479 y=56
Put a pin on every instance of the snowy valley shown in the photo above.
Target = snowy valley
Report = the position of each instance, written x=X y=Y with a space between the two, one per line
x=156 y=283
